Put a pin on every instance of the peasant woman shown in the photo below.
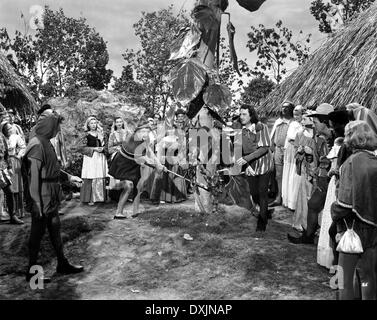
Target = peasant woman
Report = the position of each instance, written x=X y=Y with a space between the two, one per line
x=94 y=168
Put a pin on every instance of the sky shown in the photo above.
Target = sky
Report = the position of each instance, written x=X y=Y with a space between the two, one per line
x=114 y=19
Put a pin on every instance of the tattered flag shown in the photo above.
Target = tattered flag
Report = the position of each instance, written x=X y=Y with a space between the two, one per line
x=251 y=5
x=187 y=80
x=185 y=43
x=217 y=96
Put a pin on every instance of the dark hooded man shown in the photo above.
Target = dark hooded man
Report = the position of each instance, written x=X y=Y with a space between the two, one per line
x=43 y=172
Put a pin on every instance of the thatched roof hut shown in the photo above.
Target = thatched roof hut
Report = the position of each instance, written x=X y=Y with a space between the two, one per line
x=343 y=70
x=17 y=95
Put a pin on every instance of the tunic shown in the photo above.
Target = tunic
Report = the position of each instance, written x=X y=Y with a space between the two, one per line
x=41 y=149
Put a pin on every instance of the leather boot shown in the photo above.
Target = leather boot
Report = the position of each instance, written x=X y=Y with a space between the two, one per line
x=64 y=267
x=261 y=225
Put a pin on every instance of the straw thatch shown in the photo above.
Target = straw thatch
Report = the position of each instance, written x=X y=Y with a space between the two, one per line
x=18 y=96
x=343 y=70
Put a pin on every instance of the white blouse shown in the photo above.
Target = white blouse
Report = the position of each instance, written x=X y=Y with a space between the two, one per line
x=16 y=145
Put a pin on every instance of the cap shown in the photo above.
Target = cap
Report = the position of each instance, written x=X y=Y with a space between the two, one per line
x=323 y=109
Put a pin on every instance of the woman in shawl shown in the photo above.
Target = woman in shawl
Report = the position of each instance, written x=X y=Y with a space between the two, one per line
x=171 y=150
x=358 y=112
x=290 y=177
x=16 y=150
x=6 y=171
x=326 y=253
x=356 y=206
x=305 y=166
x=94 y=167
x=118 y=134
x=148 y=171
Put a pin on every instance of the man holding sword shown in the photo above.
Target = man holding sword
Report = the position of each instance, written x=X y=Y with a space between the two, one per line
x=256 y=160
x=41 y=166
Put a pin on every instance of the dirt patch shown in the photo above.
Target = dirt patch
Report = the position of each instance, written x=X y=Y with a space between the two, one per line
x=149 y=258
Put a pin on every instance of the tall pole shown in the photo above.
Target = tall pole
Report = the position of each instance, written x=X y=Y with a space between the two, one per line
x=207 y=51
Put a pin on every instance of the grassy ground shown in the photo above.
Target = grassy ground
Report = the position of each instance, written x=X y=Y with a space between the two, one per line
x=148 y=257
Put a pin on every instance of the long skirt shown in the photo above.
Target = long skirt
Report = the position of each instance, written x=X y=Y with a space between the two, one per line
x=325 y=255
x=17 y=184
x=303 y=195
x=94 y=172
x=168 y=187
x=93 y=190
x=291 y=180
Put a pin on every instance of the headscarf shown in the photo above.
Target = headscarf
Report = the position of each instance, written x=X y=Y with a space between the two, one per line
x=364 y=114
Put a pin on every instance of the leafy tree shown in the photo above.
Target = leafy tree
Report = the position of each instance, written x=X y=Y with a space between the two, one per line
x=334 y=13
x=257 y=90
x=227 y=74
x=151 y=64
x=127 y=85
x=274 y=47
x=64 y=54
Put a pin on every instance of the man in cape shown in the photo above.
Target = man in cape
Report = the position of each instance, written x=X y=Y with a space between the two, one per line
x=41 y=166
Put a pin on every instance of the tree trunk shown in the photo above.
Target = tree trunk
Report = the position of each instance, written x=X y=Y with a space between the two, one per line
x=205 y=197
x=206 y=54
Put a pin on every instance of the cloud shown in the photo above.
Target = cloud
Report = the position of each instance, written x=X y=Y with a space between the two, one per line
x=114 y=19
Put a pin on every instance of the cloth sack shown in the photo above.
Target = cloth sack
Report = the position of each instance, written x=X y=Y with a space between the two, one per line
x=350 y=241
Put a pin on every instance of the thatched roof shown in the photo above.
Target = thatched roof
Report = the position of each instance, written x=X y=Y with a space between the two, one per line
x=343 y=70
x=18 y=97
